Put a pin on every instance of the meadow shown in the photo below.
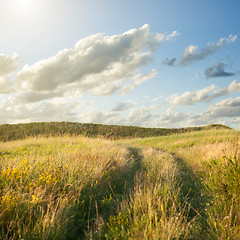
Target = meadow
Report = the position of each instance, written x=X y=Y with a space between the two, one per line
x=180 y=186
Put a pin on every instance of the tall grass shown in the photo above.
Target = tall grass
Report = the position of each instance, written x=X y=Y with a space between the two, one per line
x=211 y=162
x=49 y=187
x=153 y=210
x=222 y=180
x=193 y=147
x=76 y=188
x=183 y=186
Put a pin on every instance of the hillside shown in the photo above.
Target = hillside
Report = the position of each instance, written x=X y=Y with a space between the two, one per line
x=177 y=186
x=20 y=131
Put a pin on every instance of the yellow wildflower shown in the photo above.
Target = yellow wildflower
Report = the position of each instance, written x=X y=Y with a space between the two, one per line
x=34 y=200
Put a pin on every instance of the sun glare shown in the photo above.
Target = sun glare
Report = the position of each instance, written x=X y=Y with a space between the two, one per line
x=23 y=3
x=24 y=9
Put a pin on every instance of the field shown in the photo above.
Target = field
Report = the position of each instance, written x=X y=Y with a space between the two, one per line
x=180 y=186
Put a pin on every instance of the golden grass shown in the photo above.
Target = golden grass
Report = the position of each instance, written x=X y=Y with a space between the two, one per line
x=81 y=188
x=153 y=209
x=42 y=179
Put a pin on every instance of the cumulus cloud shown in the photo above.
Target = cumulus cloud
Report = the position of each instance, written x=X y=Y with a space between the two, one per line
x=218 y=70
x=142 y=116
x=5 y=85
x=172 y=120
x=102 y=117
x=98 y=63
x=192 y=53
x=188 y=98
x=123 y=106
x=169 y=62
x=31 y=97
x=8 y=64
x=232 y=87
x=227 y=108
x=205 y=94
x=13 y=111
x=236 y=120
x=138 y=79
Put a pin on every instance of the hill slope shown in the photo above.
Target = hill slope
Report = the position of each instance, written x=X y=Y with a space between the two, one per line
x=20 y=131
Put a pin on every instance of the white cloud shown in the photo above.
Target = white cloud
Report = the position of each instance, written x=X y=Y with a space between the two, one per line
x=188 y=98
x=158 y=38
x=138 y=79
x=142 y=116
x=31 y=97
x=123 y=106
x=12 y=111
x=97 y=116
x=236 y=120
x=191 y=53
x=5 y=85
x=172 y=120
x=232 y=87
x=232 y=38
x=98 y=64
x=205 y=94
x=227 y=108
x=8 y=64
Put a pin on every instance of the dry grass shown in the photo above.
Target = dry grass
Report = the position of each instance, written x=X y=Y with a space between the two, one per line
x=43 y=180
x=80 y=188
x=153 y=209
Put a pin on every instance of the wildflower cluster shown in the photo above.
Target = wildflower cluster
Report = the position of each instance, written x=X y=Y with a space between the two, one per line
x=9 y=201
x=118 y=224
x=118 y=220
x=13 y=175
x=48 y=178
x=34 y=200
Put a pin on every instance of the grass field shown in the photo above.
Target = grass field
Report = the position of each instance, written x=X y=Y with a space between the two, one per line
x=181 y=186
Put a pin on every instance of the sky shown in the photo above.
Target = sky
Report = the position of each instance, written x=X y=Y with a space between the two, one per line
x=155 y=63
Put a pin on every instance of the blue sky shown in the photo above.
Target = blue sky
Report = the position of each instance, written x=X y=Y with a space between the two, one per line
x=146 y=63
